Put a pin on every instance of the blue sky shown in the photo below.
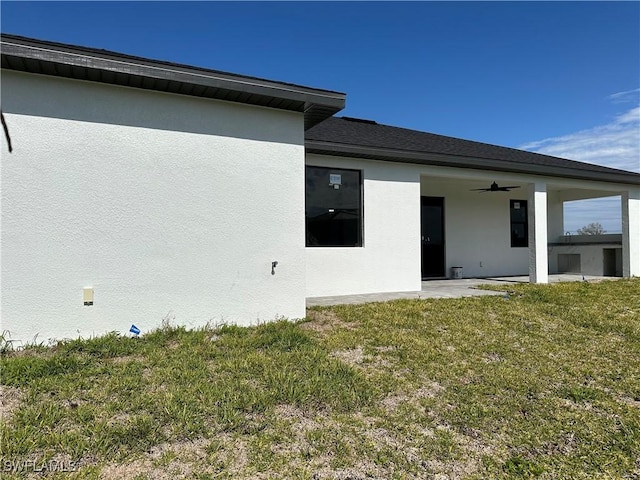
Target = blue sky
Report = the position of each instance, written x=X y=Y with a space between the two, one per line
x=557 y=77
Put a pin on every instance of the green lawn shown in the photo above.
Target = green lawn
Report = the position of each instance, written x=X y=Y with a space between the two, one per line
x=544 y=383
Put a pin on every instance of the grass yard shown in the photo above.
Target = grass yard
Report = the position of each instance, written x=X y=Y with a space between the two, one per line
x=544 y=383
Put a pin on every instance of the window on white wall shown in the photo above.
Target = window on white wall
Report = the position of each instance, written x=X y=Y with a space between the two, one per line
x=519 y=223
x=333 y=207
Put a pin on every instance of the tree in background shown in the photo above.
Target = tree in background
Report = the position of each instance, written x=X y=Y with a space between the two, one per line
x=592 y=229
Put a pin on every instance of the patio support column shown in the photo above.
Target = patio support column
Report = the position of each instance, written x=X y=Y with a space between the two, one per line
x=555 y=222
x=555 y=212
x=631 y=233
x=538 y=254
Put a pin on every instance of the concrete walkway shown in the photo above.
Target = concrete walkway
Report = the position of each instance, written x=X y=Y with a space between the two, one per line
x=466 y=287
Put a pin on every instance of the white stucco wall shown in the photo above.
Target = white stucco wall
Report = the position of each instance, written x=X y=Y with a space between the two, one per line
x=477 y=230
x=631 y=232
x=389 y=259
x=477 y=226
x=591 y=250
x=164 y=204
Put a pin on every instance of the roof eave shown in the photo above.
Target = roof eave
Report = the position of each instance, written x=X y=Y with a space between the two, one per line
x=443 y=160
x=38 y=57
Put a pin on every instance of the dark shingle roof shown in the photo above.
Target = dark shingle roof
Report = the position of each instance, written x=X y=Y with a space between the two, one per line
x=344 y=136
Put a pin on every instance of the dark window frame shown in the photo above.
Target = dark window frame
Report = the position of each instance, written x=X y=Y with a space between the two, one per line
x=515 y=225
x=330 y=240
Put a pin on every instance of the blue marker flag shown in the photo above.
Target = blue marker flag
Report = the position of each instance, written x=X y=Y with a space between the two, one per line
x=135 y=330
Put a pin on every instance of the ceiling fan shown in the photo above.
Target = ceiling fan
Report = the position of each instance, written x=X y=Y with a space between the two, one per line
x=495 y=188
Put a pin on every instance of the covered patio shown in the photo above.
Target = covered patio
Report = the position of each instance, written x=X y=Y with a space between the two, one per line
x=435 y=207
x=487 y=224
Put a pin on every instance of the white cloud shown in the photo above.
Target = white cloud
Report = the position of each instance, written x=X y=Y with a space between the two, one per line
x=625 y=97
x=629 y=117
x=616 y=145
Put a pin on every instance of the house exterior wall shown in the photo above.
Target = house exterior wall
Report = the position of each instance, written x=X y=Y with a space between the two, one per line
x=555 y=218
x=631 y=232
x=477 y=227
x=166 y=205
x=389 y=259
x=477 y=231
x=591 y=256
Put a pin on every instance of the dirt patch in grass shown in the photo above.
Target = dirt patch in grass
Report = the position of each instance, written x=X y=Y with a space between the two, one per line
x=236 y=458
x=120 y=419
x=300 y=423
x=384 y=348
x=428 y=390
x=314 y=435
x=492 y=357
x=472 y=447
x=297 y=417
x=147 y=373
x=127 y=359
x=563 y=446
x=451 y=471
x=310 y=429
x=469 y=442
x=10 y=401
x=354 y=356
x=195 y=448
x=180 y=459
x=632 y=403
x=364 y=472
x=324 y=321
x=369 y=364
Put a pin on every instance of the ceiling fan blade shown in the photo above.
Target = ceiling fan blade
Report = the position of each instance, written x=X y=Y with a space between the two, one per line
x=494 y=188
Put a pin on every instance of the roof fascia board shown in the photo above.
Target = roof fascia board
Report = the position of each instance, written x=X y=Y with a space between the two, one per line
x=175 y=73
x=438 y=159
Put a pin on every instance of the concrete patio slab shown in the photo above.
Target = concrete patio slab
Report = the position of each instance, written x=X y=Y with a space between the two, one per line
x=449 y=288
